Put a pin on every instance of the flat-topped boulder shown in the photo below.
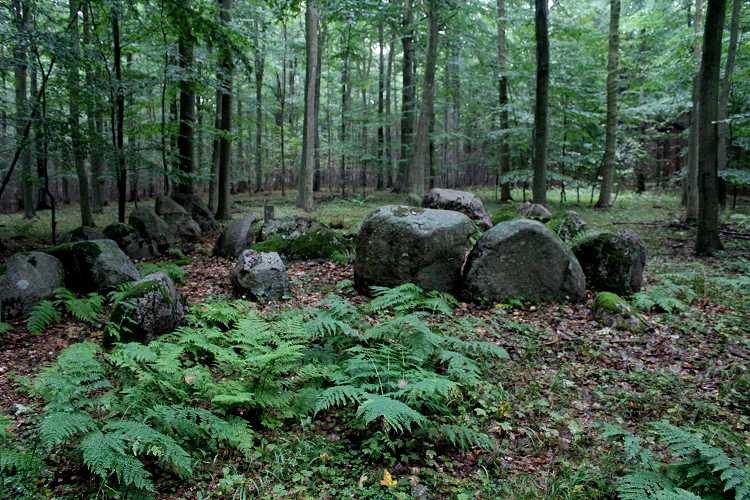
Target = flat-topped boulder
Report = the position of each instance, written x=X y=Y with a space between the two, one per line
x=94 y=266
x=237 y=236
x=151 y=227
x=179 y=220
x=522 y=259
x=260 y=275
x=151 y=307
x=288 y=227
x=424 y=246
x=83 y=233
x=612 y=262
x=535 y=211
x=29 y=278
x=458 y=201
x=130 y=242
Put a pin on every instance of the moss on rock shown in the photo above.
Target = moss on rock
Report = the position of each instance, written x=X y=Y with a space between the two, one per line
x=609 y=309
x=316 y=244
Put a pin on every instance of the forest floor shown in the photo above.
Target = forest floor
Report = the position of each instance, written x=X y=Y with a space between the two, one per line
x=566 y=376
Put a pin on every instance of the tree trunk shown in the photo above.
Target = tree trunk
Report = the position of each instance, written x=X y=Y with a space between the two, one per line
x=726 y=85
x=541 y=107
x=118 y=121
x=186 y=44
x=93 y=116
x=708 y=214
x=87 y=218
x=226 y=68
x=345 y=107
x=691 y=183
x=316 y=175
x=389 y=153
x=307 y=166
x=259 y=67
x=381 y=108
x=502 y=64
x=421 y=161
x=407 y=99
x=610 y=141
x=22 y=17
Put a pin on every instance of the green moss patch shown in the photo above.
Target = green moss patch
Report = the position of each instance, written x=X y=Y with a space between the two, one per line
x=318 y=244
x=504 y=214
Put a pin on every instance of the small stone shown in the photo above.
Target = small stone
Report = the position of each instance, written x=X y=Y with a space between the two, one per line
x=261 y=275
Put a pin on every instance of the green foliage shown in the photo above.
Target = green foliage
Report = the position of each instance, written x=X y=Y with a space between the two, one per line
x=318 y=244
x=48 y=312
x=667 y=296
x=408 y=298
x=19 y=468
x=698 y=469
x=43 y=314
x=504 y=214
x=5 y=327
x=172 y=269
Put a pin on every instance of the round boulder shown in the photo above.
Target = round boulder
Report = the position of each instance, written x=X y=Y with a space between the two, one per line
x=152 y=307
x=288 y=227
x=198 y=210
x=522 y=259
x=83 y=233
x=612 y=262
x=237 y=236
x=423 y=246
x=29 y=278
x=151 y=227
x=535 y=211
x=458 y=201
x=567 y=226
x=130 y=242
x=260 y=275
x=92 y=266
x=182 y=225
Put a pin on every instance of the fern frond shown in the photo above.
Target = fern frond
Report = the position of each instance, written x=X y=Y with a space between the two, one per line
x=340 y=395
x=463 y=437
x=58 y=428
x=105 y=456
x=395 y=414
x=643 y=485
x=43 y=314
x=143 y=439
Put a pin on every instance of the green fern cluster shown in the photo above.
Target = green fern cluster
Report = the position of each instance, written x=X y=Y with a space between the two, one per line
x=668 y=296
x=49 y=312
x=172 y=269
x=698 y=470
x=19 y=468
x=408 y=298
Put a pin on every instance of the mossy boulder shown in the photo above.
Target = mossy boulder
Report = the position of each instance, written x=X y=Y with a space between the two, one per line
x=83 y=233
x=130 y=242
x=151 y=307
x=152 y=228
x=179 y=220
x=260 y=275
x=288 y=227
x=609 y=309
x=238 y=236
x=522 y=259
x=94 y=266
x=535 y=211
x=198 y=210
x=567 y=225
x=424 y=246
x=504 y=215
x=612 y=262
x=28 y=278
x=459 y=201
x=320 y=243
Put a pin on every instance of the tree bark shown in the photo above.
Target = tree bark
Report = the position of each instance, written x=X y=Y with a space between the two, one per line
x=502 y=65
x=726 y=85
x=691 y=183
x=407 y=98
x=381 y=109
x=185 y=44
x=610 y=141
x=118 y=121
x=22 y=16
x=93 y=117
x=708 y=240
x=541 y=107
x=87 y=217
x=307 y=166
x=259 y=70
x=226 y=69
x=346 y=97
x=421 y=162
x=389 y=152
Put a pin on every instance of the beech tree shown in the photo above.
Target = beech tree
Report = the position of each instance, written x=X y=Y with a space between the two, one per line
x=541 y=106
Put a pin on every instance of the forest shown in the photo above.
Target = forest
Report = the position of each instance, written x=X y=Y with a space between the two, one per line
x=375 y=249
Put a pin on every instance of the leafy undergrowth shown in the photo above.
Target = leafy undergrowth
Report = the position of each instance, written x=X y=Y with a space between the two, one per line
x=336 y=395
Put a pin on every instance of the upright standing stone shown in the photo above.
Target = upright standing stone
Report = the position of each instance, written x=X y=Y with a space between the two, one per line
x=261 y=275
x=612 y=262
x=180 y=222
x=237 y=236
x=151 y=227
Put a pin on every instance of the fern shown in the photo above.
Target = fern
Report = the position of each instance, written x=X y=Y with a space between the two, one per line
x=340 y=395
x=85 y=309
x=5 y=327
x=43 y=315
x=667 y=296
x=395 y=415
x=462 y=437
x=409 y=298
x=105 y=455
x=57 y=428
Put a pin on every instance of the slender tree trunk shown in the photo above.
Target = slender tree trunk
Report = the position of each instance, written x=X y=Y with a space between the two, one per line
x=259 y=70
x=726 y=84
x=708 y=240
x=691 y=185
x=316 y=176
x=541 y=107
x=214 y=171
x=226 y=68
x=389 y=152
x=22 y=17
x=93 y=113
x=407 y=99
x=382 y=161
x=502 y=64
x=282 y=101
x=345 y=108
x=87 y=218
x=307 y=166
x=186 y=43
x=608 y=173
x=119 y=115
x=420 y=164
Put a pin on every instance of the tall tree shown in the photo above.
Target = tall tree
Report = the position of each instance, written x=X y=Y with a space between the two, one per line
x=421 y=162
x=541 y=106
x=726 y=84
x=346 y=103
x=118 y=114
x=610 y=140
x=184 y=187
x=691 y=183
x=708 y=240
x=259 y=60
x=502 y=66
x=94 y=120
x=225 y=126
x=382 y=162
x=407 y=97
x=22 y=11
x=87 y=217
x=307 y=165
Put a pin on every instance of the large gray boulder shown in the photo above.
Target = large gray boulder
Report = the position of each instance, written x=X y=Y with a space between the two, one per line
x=198 y=210
x=459 y=201
x=151 y=227
x=288 y=228
x=398 y=244
x=83 y=233
x=522 y=259
x=29 y=278
x=130 y=242
x=94 y=266
x=237 y=236
x=180 y=222
x=260 y=275
x=612 y=262
x=535 y=211
x=151 y=307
